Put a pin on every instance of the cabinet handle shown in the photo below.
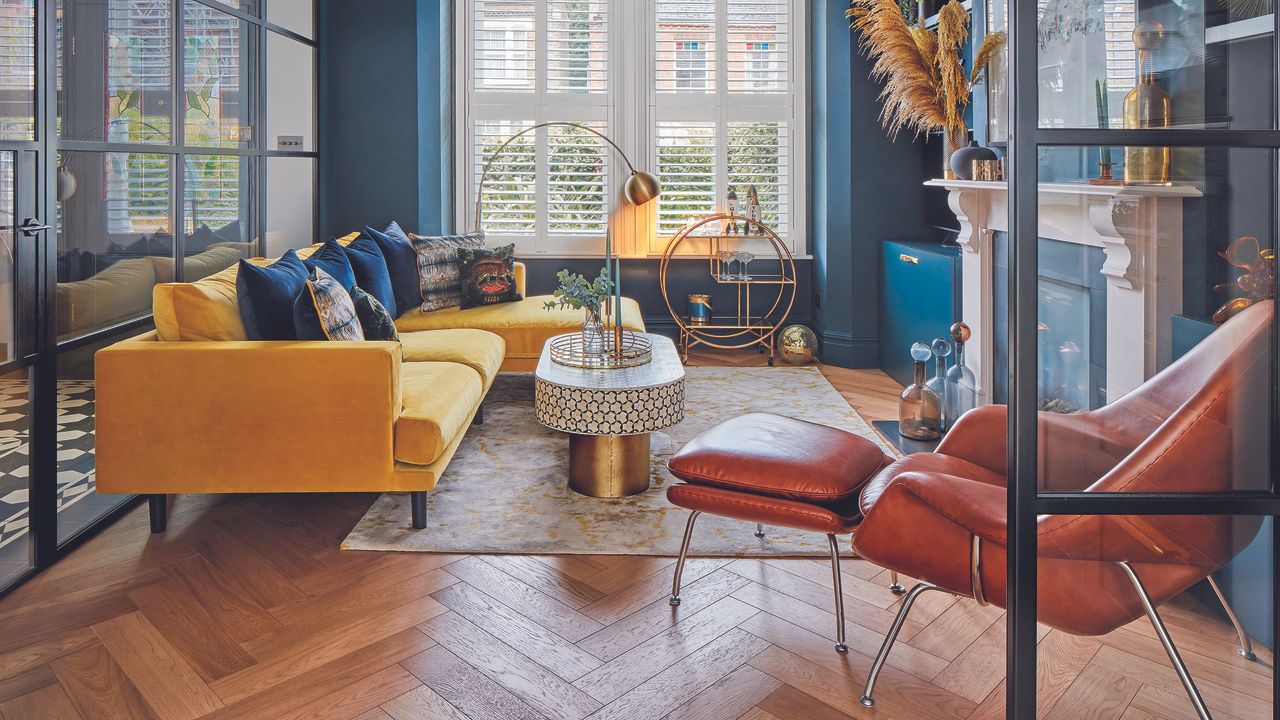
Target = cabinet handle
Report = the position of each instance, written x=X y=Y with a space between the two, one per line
x=909 y=259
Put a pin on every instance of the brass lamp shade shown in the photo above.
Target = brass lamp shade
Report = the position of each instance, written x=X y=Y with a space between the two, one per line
x=641 y=188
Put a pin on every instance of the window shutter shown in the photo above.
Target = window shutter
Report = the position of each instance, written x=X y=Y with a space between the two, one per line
x=758 y=46
x=758 y=157
x=509 y=202
x=577 y=181
x=503 y=45
x=577 y=46
x=686 y=164
x=685 y=56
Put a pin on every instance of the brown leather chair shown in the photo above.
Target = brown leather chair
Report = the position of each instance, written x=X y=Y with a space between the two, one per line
x=1200 y=425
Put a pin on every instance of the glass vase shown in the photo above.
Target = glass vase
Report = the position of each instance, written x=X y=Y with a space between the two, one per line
x=919 y=410
x=593 y=332
x=938 y=383
x=962 y=387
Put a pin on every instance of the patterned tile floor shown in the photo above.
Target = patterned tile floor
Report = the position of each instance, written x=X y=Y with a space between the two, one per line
x=75 y=452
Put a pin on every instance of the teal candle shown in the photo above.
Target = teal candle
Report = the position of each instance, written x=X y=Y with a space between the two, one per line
x=608 y=253
x=618 y=292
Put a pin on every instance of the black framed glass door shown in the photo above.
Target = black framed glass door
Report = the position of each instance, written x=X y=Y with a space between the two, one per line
x=1142 y=360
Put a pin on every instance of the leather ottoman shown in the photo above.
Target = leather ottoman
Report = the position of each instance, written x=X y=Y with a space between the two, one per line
x=776 y=470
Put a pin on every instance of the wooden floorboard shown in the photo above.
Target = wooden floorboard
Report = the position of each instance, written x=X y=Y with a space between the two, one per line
x=247 y=608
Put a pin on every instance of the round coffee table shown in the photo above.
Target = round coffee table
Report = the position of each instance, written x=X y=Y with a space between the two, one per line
x=608 y=415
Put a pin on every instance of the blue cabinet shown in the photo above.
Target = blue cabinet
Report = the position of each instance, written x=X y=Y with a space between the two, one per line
x=919 y=300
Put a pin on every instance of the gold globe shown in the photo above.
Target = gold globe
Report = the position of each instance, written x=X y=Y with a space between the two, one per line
x=797 y=344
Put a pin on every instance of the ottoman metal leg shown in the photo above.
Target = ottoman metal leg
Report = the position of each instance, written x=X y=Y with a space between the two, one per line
x=684 y=553
x=759 y=530
x=835 y=577
x=894 y=585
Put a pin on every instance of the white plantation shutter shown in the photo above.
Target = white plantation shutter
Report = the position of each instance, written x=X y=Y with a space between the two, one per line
x=577 y=46
x=757 y=39
x=686 y=164
x=509 y=203
x=758 y=156
x=577 y=181
x=710 y=98
x=503 y=40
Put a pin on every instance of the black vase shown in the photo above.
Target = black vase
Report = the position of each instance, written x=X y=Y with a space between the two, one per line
x=962 y=159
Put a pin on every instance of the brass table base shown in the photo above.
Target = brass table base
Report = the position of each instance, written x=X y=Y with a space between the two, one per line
x=609 y=466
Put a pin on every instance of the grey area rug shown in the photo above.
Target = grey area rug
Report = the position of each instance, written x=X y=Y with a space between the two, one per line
x=505 y=491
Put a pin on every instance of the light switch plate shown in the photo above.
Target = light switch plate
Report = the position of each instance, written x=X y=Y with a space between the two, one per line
x=289 y=142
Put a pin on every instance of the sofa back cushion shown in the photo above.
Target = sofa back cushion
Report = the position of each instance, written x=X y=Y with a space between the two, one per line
x=116 y=294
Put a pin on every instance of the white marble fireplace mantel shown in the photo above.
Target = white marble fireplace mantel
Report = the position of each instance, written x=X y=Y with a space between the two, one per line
x=1138 y=227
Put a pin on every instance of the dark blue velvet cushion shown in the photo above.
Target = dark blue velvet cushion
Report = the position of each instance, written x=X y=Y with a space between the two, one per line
x=370 y=268
x=402 y=265
x=333 y=259
x=266 y=295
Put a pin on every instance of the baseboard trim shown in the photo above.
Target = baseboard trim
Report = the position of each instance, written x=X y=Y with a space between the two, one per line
x=844 y=350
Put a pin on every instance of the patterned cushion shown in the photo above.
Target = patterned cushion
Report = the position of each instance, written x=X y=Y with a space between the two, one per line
x=439 y=271
x=375 y=320
x=324 y=310
x=488 y=276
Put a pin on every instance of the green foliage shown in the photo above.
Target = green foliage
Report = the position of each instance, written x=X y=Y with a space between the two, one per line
x=577 y=292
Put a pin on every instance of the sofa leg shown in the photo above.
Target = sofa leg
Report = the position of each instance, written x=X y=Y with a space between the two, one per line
x=479 y=417
x=159 y=508
x=684 y=553
x=418 y=500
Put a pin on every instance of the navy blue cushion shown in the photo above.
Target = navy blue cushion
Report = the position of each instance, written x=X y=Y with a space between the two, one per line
x=333 y=259
x=402 y=265
x=266 y=296
x=370 y=268
x=323 y=310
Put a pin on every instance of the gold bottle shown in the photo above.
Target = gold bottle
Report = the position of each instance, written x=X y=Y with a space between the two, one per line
x=1147 y=105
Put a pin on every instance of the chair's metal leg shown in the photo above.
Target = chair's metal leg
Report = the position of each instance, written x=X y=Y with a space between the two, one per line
x=894 y=586
x=1245 y=647
x=1187 y=683
x=759 y=530
x=841 y=647
x=889 y=639
x=684 y=553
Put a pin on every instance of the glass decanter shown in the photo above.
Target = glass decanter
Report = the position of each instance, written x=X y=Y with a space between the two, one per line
x=962 y=386
x=919 y=411
x=941 y=348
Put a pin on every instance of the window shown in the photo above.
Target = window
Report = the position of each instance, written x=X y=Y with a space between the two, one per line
x=711 y=98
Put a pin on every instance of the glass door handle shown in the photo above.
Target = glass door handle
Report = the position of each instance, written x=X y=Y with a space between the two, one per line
x=31 y=226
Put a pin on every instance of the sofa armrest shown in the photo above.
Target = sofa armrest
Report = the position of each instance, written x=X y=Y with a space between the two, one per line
x=245 y=416
x=522 y=279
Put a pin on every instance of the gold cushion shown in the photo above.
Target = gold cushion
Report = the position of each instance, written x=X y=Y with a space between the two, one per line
x=525 y=325
x=120 y=292
x=439 y=400
x=477 y=349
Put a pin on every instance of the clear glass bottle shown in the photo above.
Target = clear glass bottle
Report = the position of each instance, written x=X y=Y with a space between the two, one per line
x=919 y=410
x=962 y=386
x=941 y=348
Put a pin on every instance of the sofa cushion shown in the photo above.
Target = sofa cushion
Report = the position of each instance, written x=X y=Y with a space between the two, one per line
x=120 y=292
x=324 y=310
x=332 y=257
x=488 y=276
x=525 y=326
x=370 y=269
x=375 y=321
x=439 y=400
x=439 y=269
x=266 y=295
x=402 y=265
x=480 y=350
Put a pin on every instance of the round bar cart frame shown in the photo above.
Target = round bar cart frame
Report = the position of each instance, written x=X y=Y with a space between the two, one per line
x=742 y=329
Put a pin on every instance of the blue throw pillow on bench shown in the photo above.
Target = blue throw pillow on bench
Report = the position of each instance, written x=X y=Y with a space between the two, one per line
x=266 y=296
x=333 y=260
x=402 y=265
x=370 y=269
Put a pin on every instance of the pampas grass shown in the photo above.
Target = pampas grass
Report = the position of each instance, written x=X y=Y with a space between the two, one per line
x=925 y=85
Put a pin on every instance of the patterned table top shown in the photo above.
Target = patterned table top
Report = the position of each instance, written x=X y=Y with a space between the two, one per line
x=626 y=401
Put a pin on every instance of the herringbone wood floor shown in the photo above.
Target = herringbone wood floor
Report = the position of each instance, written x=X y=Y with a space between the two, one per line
x=247 y=609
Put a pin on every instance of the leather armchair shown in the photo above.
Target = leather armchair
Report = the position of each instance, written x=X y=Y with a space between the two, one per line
x=1200 y=425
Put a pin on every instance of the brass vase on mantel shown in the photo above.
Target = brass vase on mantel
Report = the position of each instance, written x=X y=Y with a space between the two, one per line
x=1147 y=105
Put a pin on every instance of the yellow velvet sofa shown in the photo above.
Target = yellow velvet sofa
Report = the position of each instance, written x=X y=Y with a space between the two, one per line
x=195 y=407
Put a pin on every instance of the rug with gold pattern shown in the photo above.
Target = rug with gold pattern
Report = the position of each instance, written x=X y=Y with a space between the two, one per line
x=505 y=491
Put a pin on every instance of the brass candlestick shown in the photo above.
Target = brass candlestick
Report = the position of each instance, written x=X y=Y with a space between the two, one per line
x=1104 y=175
